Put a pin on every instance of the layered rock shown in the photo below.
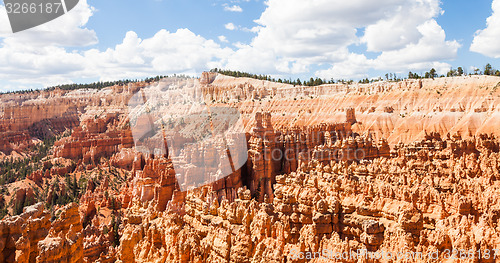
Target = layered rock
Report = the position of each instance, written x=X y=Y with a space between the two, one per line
x=21 y=234
x=100 y=136
x=45 y=114
x=397 y=111
x=389 y=166
x=64 y=243
x=31 y=237
x=261 y=162
x=365 y=207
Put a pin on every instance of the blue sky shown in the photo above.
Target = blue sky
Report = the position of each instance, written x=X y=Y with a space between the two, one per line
x=110 y=40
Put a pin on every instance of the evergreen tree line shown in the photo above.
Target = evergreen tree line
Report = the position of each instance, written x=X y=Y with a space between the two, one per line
x=95 y=85
x=310 y=82
x=71 y=193
x=488 y=70
x=432 y=73
x=18 y=206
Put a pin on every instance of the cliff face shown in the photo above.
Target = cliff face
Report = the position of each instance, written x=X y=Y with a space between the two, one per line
x=397 y=111
x=44 y=114
x=389 y=166
x=405 y=203
x=100 y=135
x=31 y=237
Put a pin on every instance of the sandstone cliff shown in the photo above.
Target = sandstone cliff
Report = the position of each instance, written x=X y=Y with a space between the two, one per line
x=389 y=166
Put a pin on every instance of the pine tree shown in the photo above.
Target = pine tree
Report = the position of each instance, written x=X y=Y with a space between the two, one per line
x=488 y=69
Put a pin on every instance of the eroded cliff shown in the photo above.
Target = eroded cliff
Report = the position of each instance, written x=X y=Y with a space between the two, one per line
x=407 y=166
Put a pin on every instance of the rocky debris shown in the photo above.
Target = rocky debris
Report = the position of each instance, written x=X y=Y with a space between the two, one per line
x=154 y=184
x=31 y=237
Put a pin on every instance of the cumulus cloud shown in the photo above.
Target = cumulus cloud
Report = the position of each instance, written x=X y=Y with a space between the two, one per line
x=401 y=27
x=48 y=60
x=233 y=8
x=486 y=41
x=223 y=39
x=4 y=22
x=291 y=37
x=298 y=34
x=427 y=53
x=67 y=30
x=164 y=53
x=430 y=47
x=38 y=55
x=230 y=26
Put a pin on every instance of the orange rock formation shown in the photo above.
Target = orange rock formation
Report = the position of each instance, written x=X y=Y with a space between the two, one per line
x=388 y=167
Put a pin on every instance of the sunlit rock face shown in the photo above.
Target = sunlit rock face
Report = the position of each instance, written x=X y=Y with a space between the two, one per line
x=221 y=169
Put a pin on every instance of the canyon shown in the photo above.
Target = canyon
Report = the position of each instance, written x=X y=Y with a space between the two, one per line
x=223 y=169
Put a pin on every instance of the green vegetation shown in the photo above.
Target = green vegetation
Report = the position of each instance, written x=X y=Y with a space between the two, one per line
x=115 y=223
x=12 y=170
x=96 y=85
x=72 y=188
x=3 y=207
x=488 y=70
x=432 y=73
x=239 y=74
x=62 y=197
x=18 y=206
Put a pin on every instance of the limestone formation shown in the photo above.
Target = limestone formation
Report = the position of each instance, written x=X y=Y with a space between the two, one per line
x=370 y=168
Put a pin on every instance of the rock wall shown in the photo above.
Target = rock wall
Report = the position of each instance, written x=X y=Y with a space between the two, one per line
x=43 y=114
x=390 y=166
x=100 y=135
x=424 y=199
x=31 y=237
x=396 y=111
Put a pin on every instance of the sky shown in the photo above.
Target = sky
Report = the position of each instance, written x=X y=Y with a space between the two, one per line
x=331 y=39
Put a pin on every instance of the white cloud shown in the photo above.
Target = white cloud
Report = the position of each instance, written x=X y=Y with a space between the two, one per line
x=427 y=53
x=233 y=8
x=353 y=66
x=50 y=62
x=230 y=26
x=486 y=41
x=254 y=29
x=223 y=39
x=294 y=35
x=401 y=27
x=67 y=30
x=38 y=55
x=431 y=47
x=233 y=27
x=4 y=22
